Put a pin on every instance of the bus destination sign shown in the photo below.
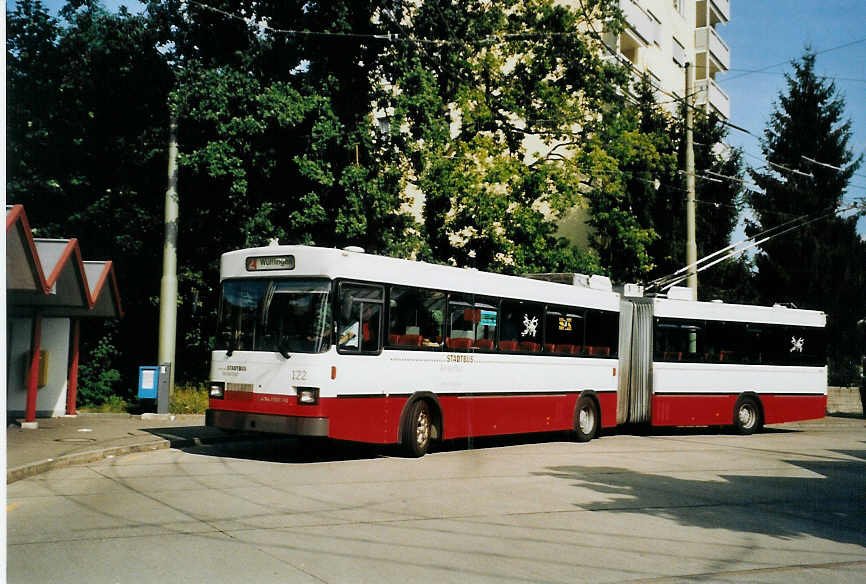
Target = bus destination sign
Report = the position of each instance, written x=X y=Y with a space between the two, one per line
x=264 y=263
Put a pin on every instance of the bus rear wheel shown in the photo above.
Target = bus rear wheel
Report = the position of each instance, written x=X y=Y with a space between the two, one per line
x=747 y=416
x=418 y=431
x=585 y=419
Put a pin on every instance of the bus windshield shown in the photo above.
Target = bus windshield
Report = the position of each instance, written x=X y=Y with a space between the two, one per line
x=283 y=316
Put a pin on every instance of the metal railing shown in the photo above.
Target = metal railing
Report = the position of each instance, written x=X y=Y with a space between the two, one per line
x=708 y=92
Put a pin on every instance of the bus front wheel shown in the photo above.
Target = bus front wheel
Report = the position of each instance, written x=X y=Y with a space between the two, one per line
x=585 y=419
x=747 y=415
x=418 y=431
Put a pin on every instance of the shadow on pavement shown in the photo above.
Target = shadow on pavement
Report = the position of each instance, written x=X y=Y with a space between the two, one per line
x=847 y=415
x=207 y=441
x=269 y=447
x=829 y=503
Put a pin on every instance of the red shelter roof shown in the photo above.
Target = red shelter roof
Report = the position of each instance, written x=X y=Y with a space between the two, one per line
x=50 y=275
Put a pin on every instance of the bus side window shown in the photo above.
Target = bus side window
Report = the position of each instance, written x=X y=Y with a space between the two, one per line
x=415 y=318
x=359 y=318
x=522 y=326
x=602 y=333
x=563 y=330
x=472 y=322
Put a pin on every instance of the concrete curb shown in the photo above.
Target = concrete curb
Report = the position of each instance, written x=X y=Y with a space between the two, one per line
x=41 y=466
x=34 y=468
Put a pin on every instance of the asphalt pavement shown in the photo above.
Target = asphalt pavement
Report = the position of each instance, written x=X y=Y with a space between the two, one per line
x=664 y=505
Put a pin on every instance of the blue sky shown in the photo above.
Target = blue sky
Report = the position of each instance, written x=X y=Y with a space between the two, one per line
x=769 y=32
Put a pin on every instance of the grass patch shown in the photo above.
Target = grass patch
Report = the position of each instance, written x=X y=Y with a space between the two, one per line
x=113 y=405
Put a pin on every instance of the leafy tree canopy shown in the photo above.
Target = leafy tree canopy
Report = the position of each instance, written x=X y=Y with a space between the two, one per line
x=489 y=119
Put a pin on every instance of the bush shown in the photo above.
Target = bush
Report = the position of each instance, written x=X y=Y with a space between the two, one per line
x=96 y=376
x=188 y=400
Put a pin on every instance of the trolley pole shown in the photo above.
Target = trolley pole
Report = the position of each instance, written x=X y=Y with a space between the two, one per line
x=691 y=196
x=168 y=284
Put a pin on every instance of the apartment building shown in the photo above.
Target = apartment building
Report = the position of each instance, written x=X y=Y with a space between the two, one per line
x=663 y=35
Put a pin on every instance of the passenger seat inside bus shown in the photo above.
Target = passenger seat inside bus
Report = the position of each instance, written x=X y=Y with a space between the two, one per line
x=529 y=347
x=508 y=346
x=484 y=344
x=411 y=340
x=599 y=351
x=458 y=343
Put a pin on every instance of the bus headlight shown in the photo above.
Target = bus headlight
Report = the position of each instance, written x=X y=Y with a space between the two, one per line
x=308 y=396
x=216 y=389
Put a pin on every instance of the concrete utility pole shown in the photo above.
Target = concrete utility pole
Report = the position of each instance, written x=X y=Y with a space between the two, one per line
x=168 y=285
x=691 y=196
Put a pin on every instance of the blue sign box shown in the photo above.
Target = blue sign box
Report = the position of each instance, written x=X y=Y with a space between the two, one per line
x=148 y=379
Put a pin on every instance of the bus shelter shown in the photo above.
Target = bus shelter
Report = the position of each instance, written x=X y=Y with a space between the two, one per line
x=50 y=292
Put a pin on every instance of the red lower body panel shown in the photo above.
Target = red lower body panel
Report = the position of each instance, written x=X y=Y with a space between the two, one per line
x=377 y=419
x=492 y=415
x=791 y=408
x=718 y=410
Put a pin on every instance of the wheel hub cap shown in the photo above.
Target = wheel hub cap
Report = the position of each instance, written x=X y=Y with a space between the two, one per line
x=585 y=420
x=422 y=430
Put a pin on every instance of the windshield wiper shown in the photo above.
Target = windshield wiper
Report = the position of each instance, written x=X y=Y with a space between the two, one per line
x=282 y=349
x=232 y=346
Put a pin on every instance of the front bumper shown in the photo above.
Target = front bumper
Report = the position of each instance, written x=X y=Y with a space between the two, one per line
x=275 y=424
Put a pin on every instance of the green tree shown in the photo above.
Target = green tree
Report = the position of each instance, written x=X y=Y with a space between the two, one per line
x=630 y=159
x=637 y=194
x=85 y=145
x=489 y=103
x=820 y=265
x=720 y=197
x=277 y=139
x=32 y=61
x=721 y=201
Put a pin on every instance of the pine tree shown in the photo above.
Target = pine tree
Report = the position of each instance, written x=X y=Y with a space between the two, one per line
x=821 y=264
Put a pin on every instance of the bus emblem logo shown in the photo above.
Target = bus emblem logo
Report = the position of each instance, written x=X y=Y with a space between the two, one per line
x=531 y=325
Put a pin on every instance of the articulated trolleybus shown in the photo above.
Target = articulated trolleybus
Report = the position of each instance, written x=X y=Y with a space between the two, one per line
x=353 y=346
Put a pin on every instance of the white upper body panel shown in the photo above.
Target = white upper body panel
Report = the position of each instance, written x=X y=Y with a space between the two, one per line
x=687 y=309
x=317 y=262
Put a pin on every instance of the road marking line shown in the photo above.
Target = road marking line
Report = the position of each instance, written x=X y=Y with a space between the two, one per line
x=12 y=506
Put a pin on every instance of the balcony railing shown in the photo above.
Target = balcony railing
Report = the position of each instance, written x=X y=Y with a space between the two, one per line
x=707 y=39
x=722 y=8
x=709 y=93
x=645 y=26
x=679 y=52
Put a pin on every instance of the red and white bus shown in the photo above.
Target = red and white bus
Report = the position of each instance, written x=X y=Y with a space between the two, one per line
x=353 y=346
